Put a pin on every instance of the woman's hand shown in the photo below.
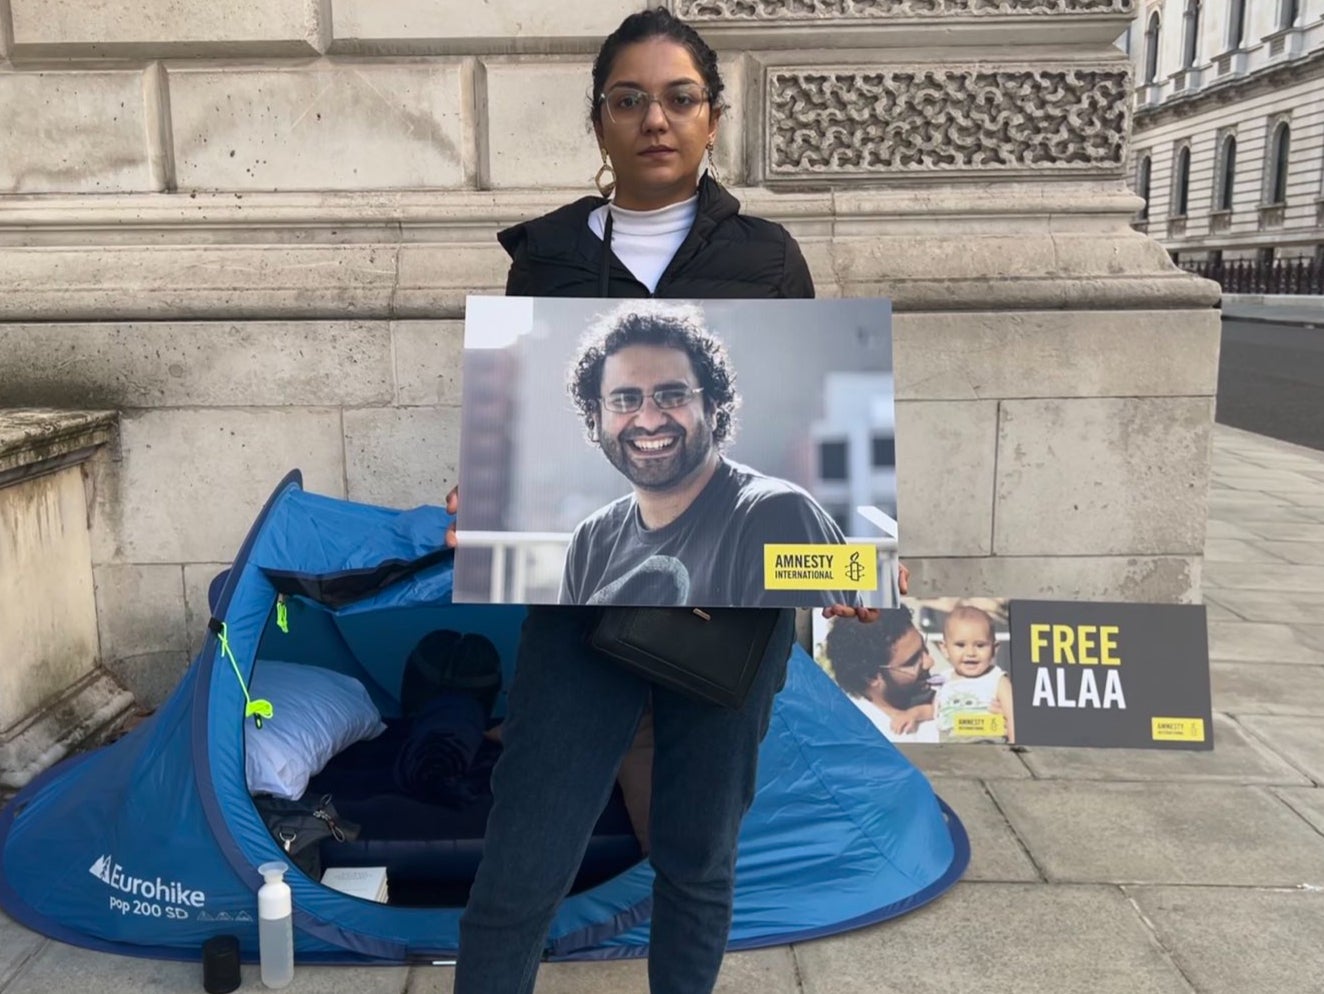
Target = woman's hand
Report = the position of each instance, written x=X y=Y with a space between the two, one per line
x=864 y=614
x=452 y=508
x=868 y=614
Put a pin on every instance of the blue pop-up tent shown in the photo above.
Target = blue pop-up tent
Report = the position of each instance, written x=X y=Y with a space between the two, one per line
x=148 y=846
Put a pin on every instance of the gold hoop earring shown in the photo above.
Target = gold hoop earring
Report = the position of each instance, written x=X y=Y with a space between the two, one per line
x=712 y=165
x=605 y=178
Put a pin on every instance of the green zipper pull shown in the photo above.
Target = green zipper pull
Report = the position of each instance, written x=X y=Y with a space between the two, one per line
x=282 y=614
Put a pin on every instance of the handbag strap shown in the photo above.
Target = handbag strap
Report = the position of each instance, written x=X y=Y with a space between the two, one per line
x=604 y=269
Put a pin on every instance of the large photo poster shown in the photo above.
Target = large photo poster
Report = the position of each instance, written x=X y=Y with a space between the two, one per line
x=668 y=453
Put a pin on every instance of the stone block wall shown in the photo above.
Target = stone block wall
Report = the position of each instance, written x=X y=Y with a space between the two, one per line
x=53 y=695
x=251 y=227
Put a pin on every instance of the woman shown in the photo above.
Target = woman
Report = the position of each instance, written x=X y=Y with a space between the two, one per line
x=656 y=105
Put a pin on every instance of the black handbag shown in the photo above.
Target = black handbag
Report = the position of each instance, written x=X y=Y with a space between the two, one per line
x=710 y=655
x=301 y=826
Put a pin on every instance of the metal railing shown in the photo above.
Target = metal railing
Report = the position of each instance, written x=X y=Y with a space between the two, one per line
x=514 y=553
x=1281 y=276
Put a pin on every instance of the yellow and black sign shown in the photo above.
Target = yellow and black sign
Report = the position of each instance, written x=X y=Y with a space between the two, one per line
x=820 y=567
x=1090 y=673
x=1177 y=729
x=978 y=725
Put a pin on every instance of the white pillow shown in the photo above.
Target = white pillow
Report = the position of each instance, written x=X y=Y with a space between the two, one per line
x=315 y=714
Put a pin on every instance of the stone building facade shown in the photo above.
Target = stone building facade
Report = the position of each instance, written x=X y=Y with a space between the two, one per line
x=1228 y=150
x=250 y=229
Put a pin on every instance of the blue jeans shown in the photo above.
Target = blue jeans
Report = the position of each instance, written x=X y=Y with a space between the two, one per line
x=572 y=716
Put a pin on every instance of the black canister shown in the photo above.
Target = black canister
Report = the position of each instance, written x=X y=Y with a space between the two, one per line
x=220 y=964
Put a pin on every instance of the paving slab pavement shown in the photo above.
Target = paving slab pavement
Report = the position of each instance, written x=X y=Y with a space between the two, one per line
x=1216 y=612
x=17 y=946
x=1240 y=551
x=1264 y=605
x=768 y=971
x=996 y=853
x=1307 y=802
x=1294 y=534
x=1098 y=872
x=1217 y=528
x=1236 y=758
x=1000 y=938
x=1296 y=739
x=1162 y=833
x=61 y=969
x=1264 y=576
x=1268 y=688
x=1265 y=642
x=990 y=763
x=1235 y=941
x=1306 y=553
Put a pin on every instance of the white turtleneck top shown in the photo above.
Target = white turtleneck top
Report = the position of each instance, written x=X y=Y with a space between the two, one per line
x=646 y=241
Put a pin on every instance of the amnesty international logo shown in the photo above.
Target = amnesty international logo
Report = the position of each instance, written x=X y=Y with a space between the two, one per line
x=820 y=567
x=854 y=568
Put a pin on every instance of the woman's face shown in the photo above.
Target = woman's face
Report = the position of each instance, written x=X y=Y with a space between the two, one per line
x=656 y=147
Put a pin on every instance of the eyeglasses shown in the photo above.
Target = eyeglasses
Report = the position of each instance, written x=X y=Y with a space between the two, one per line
x=628 y=105
x=631 y=399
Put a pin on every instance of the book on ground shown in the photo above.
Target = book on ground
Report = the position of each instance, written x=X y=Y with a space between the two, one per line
x=367 y=882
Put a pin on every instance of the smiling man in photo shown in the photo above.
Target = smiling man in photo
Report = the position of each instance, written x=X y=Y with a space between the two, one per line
x=657 y=395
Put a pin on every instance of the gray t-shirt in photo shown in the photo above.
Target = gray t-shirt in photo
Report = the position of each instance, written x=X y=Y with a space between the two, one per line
x=712 y=555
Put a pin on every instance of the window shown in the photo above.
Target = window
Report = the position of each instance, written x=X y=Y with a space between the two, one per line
x=1215 y=257
x=884 y=452
x=1142 y=184
x=1191 y=33
x=832 y=461
x=1264 y=255
x=1280 y=152
x=1287 y=12
x=1227 y=176
x=1236 y=25
x=1181 y=182
x=1151 y=48
x=841 y=518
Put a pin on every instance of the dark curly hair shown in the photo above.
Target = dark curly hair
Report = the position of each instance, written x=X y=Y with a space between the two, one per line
x=669 y=326
x=859 y=652
x=656 y=22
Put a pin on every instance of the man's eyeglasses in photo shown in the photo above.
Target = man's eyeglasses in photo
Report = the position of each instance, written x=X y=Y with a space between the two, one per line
x=631 y=399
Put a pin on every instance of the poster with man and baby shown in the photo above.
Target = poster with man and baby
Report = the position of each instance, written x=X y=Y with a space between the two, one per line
x=1027 y=672
x=698 y=454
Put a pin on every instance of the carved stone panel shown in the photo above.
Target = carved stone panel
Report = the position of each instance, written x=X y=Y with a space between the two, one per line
x=936 y=120
x=877 y=10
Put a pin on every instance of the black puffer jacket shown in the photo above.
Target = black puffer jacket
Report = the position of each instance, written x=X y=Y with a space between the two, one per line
x=726 y=255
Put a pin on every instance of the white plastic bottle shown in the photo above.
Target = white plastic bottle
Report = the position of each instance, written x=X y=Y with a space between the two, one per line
x=275 y=926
